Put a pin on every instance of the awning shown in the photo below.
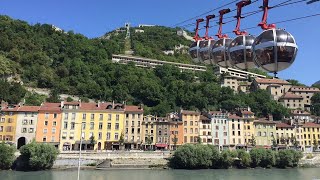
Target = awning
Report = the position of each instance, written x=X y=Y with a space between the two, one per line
x=162 y=145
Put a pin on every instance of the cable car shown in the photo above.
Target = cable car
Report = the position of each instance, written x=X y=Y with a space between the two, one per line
x=220 y=48
x=240 y=49
x=274 y=49
x=206 y=44
x=194 y=48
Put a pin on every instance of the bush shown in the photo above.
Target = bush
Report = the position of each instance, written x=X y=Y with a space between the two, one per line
x=285 y=158
x=244 y=160
x=256 y=156
x=6 y=156
x=226 y=159
x=35 y=156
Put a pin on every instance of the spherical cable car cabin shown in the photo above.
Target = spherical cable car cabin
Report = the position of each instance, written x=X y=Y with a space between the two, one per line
x=194 y=48
x=274 y=49
x=220 y=47
x=240 y=49
x=206 y=44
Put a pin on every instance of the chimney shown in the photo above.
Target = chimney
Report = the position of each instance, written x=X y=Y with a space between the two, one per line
x=98 y=104
x=270 y=117
x=141 y=106
x=61 y=104
x=112 y=104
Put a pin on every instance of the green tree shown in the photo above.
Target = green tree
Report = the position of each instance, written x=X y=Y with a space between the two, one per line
x=253 y=141
x=149 y=142
x=244 y=159
x=35 y=156
x=294 y=82
x=6 y=155
x=315 y=104
x=92 y=142
x=69 y=99
x=34 y=99
x=315 y=144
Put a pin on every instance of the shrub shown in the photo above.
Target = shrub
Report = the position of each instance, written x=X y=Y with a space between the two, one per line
x=268 y=159
x=226 y=159
x=6 y=156
x=285 y=158
x=244 y=160
x=35 y=156
x=256 y=156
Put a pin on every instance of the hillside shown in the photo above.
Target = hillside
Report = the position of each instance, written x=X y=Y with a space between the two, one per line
x=69 y=63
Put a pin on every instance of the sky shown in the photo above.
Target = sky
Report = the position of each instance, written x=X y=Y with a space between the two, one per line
x=96 y=17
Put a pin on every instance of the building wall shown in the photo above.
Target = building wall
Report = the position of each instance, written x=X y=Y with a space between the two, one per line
x=149 y=130
x=163 y=132
x=205 y=132
x=236 y=136
x=220 y=130
x=292 y=103
x=285 y=132
x=8 y=123
x=264 y=133
x=27 y=126
x=190 y=127
x=310 y=134
x=51 y=121
x=248 y=130
x=176 y=131
x=133 y=129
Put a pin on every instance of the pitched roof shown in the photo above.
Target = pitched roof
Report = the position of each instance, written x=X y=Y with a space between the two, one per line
x=271 y=81
x=300 y=112
x=133 y=109
x=304 y=89
x=190 y=112
x=310 y=124
x=50 y=107
x=100 y=106
x=263 y=121
x=233 y=116
x=10 y=108
x=29 y=109
x=290 y=95
x=202 y=117
x=246 y=112
x=283 y=125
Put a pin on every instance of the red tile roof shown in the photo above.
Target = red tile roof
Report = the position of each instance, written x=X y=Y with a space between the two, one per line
x=11 y=108
x=100 y=106
x=310 y=124
x=300 y=112
x=202 y=117
x=50 y=107
x=283 y=125
x=271 y=81
x=262 y=121
x=190 y=112
x=247 y=112
x=233 y=116
x=290 y=95
x=304 y=89
x=29 y=109
x=133 y=109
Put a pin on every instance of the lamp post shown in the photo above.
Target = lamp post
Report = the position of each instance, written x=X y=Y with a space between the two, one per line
x=79 y=161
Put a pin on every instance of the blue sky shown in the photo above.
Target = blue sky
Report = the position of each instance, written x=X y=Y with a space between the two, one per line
x=95 y=17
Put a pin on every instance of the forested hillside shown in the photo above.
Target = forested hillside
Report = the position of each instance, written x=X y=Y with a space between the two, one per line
x=71 y=63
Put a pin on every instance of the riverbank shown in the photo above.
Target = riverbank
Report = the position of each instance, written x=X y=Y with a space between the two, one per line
x=138 y=160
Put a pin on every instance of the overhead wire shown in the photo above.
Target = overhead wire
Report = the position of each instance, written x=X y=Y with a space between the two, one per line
x=285 y=3
x=195 y=17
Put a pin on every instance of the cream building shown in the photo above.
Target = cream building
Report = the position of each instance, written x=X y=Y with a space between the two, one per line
x=276 y=87
x=190 y=126
x=236 y=131
x=291 y=101
x=149 y=135
x=133 y=127
x=306 y=93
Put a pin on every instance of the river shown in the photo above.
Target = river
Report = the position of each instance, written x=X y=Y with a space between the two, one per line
x=231 y=174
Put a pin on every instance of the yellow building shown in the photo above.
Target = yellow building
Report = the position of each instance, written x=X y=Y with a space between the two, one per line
x=264 y=132
x=236 y=130
x=248 y=129
x=8 y=123
x=149 y=134
x=285 y=134
x=102 y=125
x=310 y=133
x=190 y=126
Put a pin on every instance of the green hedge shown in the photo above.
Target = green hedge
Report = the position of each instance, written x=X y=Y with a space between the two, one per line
x=207 y=156
x=6 y=156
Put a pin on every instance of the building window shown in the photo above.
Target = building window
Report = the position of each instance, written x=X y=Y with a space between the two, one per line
x=46 y=123
x=100 y=126
x=45 y=131
x=84 y=116
x=109 y=126
x=25 y=122
x=101 y=117
x=92 y=117
x=31 y=122
x=132 y=123
x=138 y=123
x=66 y=116
x=54 y=123
x=191 y=130
x=133 y=116
x=53 y=130
x=55 y=116
x=185 y=123
x=100 y=135
x=65 y=125
x=72 y=125
x=44 y=139
x=127 y=116
x=31 y=130
x=73 y=116
x=191 y=123
x=24 y=130
x=108 y=136
x=117 y=126
x=117 y=117
x=91 y=125
x=109 y=117
x=116 y=136
x=2 y=120
x=1 y=128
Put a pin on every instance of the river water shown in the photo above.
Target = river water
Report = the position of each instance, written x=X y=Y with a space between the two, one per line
x=231 y=174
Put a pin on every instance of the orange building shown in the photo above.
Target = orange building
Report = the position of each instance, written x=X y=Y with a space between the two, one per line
x=176 y=131
x=49 y=124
